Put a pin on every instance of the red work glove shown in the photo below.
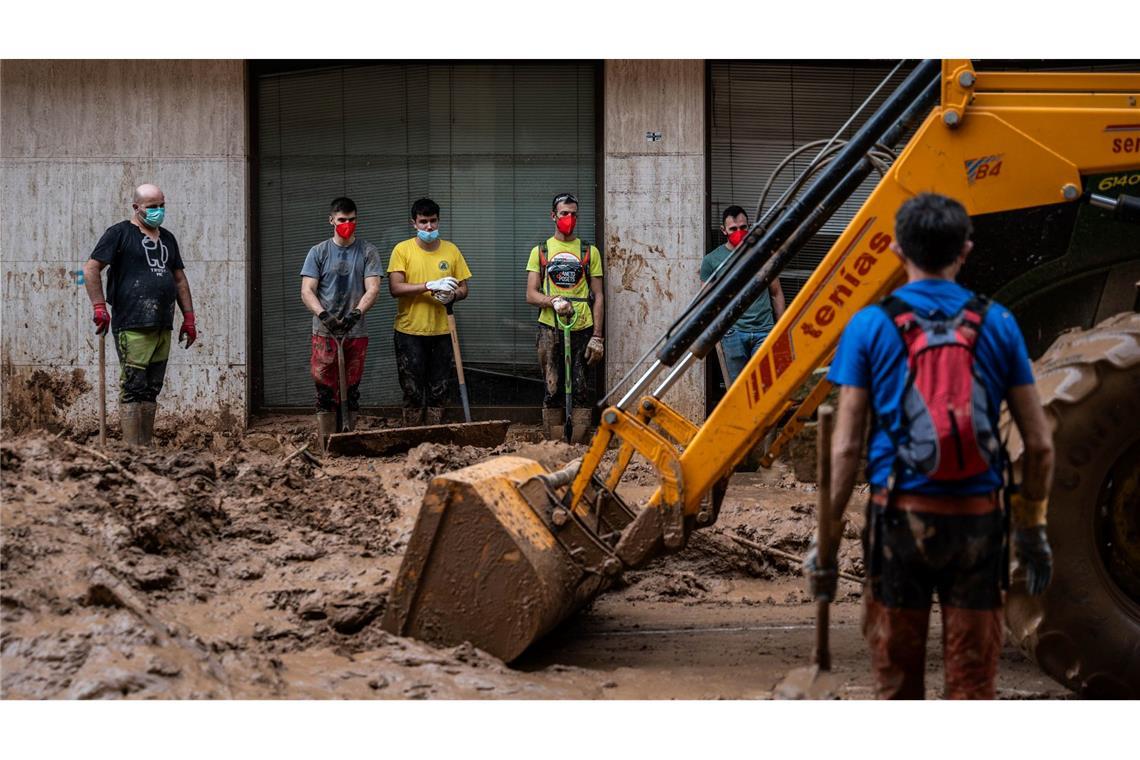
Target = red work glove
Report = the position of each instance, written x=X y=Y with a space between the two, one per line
x=102 y=318
x=188 y=330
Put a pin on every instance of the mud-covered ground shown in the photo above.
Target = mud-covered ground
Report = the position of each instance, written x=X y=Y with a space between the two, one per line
x=211 y=567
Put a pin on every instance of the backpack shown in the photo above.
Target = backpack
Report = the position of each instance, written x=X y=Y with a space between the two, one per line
x=584 y=261
x=946 y=430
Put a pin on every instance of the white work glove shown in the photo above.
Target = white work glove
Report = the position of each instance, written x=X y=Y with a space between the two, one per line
x=443 y=283
x=562 y=307
x=443 y=296
x=595 y=350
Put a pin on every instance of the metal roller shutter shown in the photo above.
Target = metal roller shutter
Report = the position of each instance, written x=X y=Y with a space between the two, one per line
x=491 y=143
x=761 y=112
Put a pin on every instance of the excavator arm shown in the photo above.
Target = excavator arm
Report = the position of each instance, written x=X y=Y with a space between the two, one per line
x=996 y=142
x=995 y=149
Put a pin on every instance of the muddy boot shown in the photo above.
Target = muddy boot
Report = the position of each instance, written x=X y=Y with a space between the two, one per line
x=552 y=424
x=130 y=419
x=147 y=410
x=434 y=415
x=351 y=421
x=326 y=426
x=413 y=417
x=580 y=425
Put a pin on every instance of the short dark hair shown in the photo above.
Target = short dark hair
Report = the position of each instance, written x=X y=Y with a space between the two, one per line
x=732 y=211
x=931 y=230
x=425 y=207
x=562 y=198
x=342 y=205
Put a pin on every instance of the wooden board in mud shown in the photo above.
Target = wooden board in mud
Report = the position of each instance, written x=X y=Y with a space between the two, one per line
x=377 y=443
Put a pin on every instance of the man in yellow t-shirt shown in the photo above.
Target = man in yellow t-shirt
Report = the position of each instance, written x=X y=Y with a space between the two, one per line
x=425 y=274
x=562 y=274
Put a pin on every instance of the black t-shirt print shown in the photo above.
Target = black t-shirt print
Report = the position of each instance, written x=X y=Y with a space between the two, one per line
x=140 y=279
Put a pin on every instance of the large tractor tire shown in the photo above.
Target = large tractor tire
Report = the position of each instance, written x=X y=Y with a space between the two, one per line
x=1084 y=632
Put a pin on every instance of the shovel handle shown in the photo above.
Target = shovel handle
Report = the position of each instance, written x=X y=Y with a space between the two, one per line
x=568 y=389
x=824 y=417
x=458 y=361
x=825 y=421
x=342 y=377
x=102 y=390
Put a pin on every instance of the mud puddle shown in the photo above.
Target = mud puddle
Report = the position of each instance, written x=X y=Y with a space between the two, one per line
x=734 y=646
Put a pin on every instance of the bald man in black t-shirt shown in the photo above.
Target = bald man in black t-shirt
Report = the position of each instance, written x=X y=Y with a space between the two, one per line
x=145 y=279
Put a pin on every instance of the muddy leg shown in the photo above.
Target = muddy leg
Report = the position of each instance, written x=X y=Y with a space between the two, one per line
x=410 y=368
x=971 y=645
x=897 y=640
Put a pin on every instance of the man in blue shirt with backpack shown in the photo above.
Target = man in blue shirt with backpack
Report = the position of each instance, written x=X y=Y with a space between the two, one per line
x=932 y=364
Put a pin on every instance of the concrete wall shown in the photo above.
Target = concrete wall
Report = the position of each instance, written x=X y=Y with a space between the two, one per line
x=76 y=137
x=655 y=210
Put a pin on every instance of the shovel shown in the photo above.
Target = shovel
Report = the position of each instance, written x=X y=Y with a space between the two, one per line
x=389 y=441
x=102 y=390
x=815 y=681
x=458 y=361
x=568 y=385
x=342 y=377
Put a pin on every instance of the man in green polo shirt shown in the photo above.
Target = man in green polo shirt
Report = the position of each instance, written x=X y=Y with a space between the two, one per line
x=745 y=336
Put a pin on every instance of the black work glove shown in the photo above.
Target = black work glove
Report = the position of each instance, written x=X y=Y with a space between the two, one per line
x=1033 y=553
x=822 y=582
x=331 y=323
x=350 y=321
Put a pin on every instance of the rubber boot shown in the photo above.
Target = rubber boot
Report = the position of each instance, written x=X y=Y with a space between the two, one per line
x=130 y=419
x=434 y=415
x=552 y=424
x=580 y=425
x=326 y=426
x=147 y=410
x=413 y=417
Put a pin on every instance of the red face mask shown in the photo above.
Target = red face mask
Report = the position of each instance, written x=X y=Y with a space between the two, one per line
x=346 y=229
x=566 y=223
x=736 y=236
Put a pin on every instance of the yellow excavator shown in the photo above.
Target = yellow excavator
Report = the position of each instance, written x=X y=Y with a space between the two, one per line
x=1048 y=165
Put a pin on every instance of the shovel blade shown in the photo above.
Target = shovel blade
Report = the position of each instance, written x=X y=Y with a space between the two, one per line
x=807 y=683
x=389 y=441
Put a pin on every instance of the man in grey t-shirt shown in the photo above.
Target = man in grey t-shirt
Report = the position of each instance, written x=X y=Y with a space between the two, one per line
x=339 y=283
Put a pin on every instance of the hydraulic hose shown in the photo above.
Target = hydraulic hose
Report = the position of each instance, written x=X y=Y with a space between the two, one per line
x=756 y=249
x=722 y=321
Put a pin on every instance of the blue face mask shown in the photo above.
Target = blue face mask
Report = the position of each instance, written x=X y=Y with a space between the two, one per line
x=154 y=216
x=428 y=237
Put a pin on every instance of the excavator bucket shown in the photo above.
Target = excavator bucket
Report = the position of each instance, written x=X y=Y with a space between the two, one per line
x=489 y=561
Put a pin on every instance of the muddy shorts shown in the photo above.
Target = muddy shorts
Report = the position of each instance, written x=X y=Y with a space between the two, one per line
x=326 y=375
x=550 y=360
x=920 y=546
x=423 y=364
x=142 y=362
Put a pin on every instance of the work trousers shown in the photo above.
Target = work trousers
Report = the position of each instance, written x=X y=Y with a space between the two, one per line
x=423 y=363
x=551 y=360
x=326 y=374
x=142 y=363
x=739 y=346
x=919 y=545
